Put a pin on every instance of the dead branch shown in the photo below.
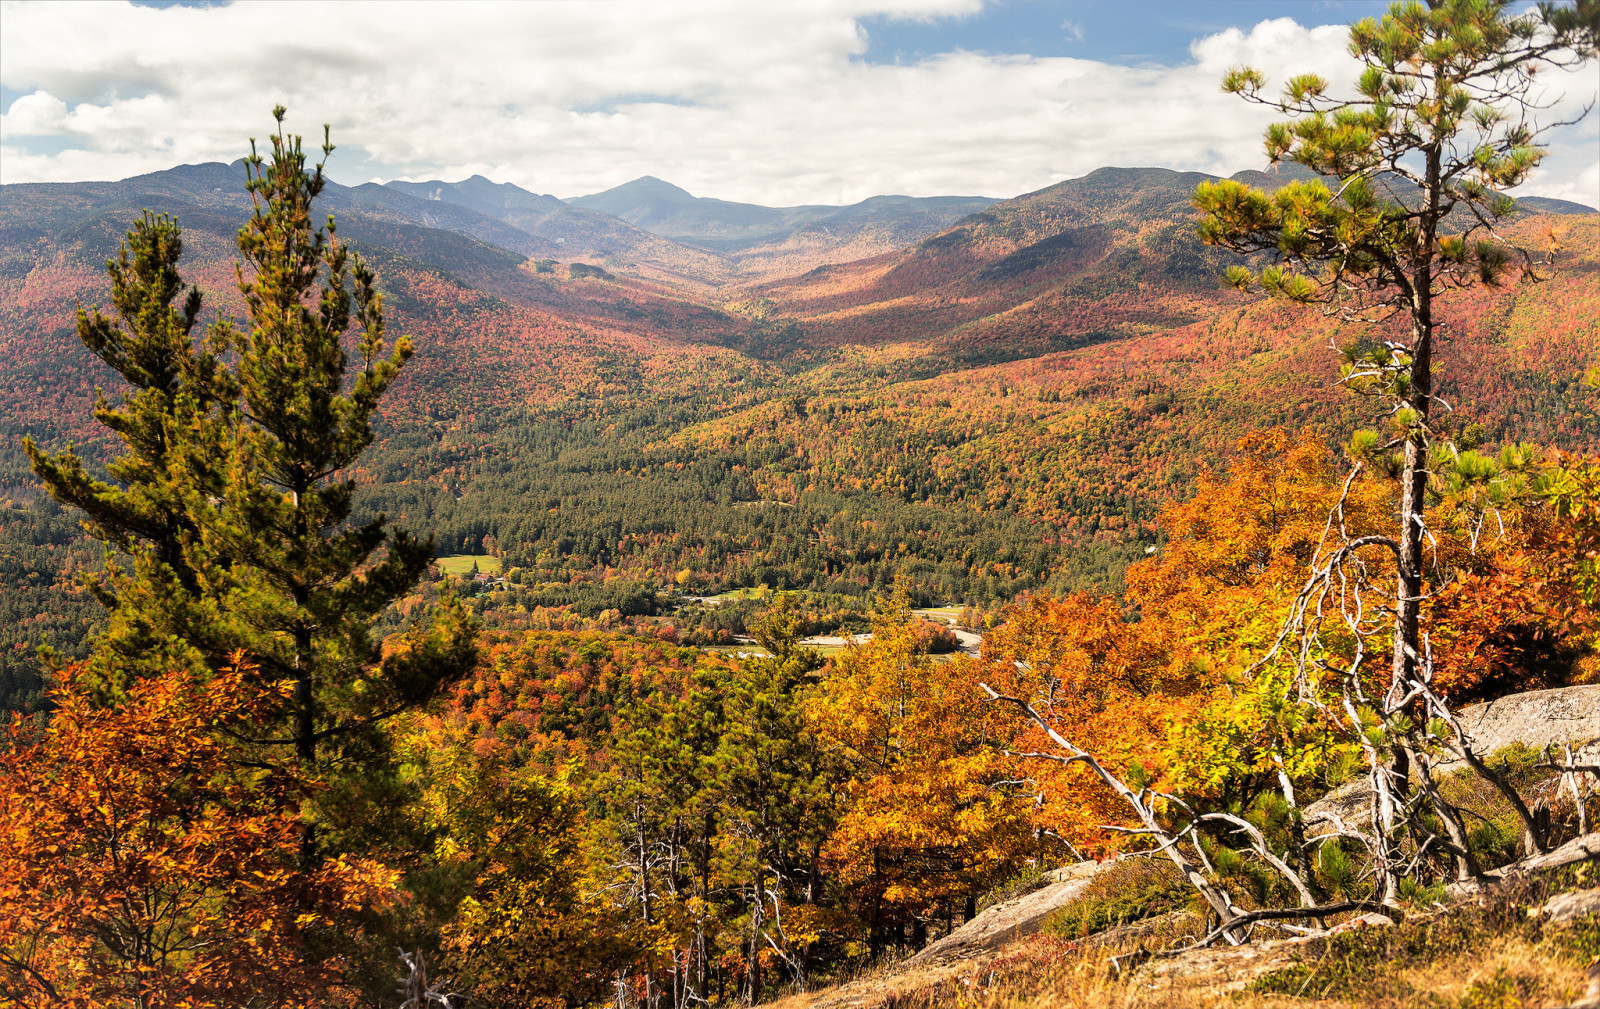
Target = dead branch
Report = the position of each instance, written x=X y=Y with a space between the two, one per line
x=1219 y=899
x=1249 y=917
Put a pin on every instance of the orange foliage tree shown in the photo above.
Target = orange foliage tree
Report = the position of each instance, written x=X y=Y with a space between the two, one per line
x=142 y=863
x=1130 y=686
x=1513 y=615
x=925 y=823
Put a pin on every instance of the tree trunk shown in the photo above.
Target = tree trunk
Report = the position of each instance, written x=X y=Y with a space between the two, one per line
x=1466 y=863
x=705 y=894
x=305 y=699
x=875 y=936
x=305 y=730
x=753 y=966
x=1414 y=476
x=644 y=898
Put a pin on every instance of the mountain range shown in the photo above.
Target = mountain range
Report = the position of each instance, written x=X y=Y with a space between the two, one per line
x=645 y=227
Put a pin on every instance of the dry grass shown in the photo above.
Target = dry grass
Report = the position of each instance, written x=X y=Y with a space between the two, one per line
x=1498 y=976
x=1490 y=953
x=1081 y=980
x=798 y=1000
x=1512 y=973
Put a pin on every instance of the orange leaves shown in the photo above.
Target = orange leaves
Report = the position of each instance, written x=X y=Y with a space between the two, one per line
x=1122 y=682
x=1264 y=519
x=1174 y=697
x=1518 y=612
x=140 y=862
x=543 y=697
x=1102 y=682
x=921 y=748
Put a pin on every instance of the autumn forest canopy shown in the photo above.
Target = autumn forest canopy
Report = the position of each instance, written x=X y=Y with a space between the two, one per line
x=654 y=602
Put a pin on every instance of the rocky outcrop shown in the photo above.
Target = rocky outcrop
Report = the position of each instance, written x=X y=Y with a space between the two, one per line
x=1010 y=919
x=1537 y=718
x=1572 y=906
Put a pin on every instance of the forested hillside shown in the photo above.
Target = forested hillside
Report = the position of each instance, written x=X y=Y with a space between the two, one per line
x=1001 y=407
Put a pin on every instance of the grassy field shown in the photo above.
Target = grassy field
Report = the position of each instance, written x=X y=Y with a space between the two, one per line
x=460 y=565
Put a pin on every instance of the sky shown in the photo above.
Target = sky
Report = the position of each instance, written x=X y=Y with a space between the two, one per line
x=779 y=103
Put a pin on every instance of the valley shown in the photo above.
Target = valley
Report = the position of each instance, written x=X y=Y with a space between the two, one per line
x=998 y=406
x=737 y=514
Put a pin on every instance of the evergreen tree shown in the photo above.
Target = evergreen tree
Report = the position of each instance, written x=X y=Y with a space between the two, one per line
x=1418 y=160
x=663 y=798
x=233 y=497
x=301 y=581
x=169 y=427
x=778 y=790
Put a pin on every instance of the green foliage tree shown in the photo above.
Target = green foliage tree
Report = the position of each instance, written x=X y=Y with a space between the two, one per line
x=302 y=582
x=778 y=789
x=663 y=787
x=717 y=801
x=233 y=496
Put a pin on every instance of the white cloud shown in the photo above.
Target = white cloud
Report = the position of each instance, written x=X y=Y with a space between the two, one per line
x=38 y=114
x=770 y=103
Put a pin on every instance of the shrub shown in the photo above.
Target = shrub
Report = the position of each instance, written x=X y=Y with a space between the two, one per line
x=1130 y=890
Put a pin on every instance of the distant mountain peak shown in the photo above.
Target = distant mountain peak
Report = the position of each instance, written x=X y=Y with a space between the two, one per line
x=480 y=194
x=647 y=186
x=482 y=182
x=672 y=212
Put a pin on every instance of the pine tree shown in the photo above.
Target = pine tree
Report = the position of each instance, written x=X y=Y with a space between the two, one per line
x=301 y=581
x=1409 y=206
x=663 y=797
x=233 y=498
x=1418 y=159
x=777 y=791
x=168 y=425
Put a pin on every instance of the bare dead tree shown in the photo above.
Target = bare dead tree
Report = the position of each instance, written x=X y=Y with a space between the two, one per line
x=1574 y=776
x=417 y=991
